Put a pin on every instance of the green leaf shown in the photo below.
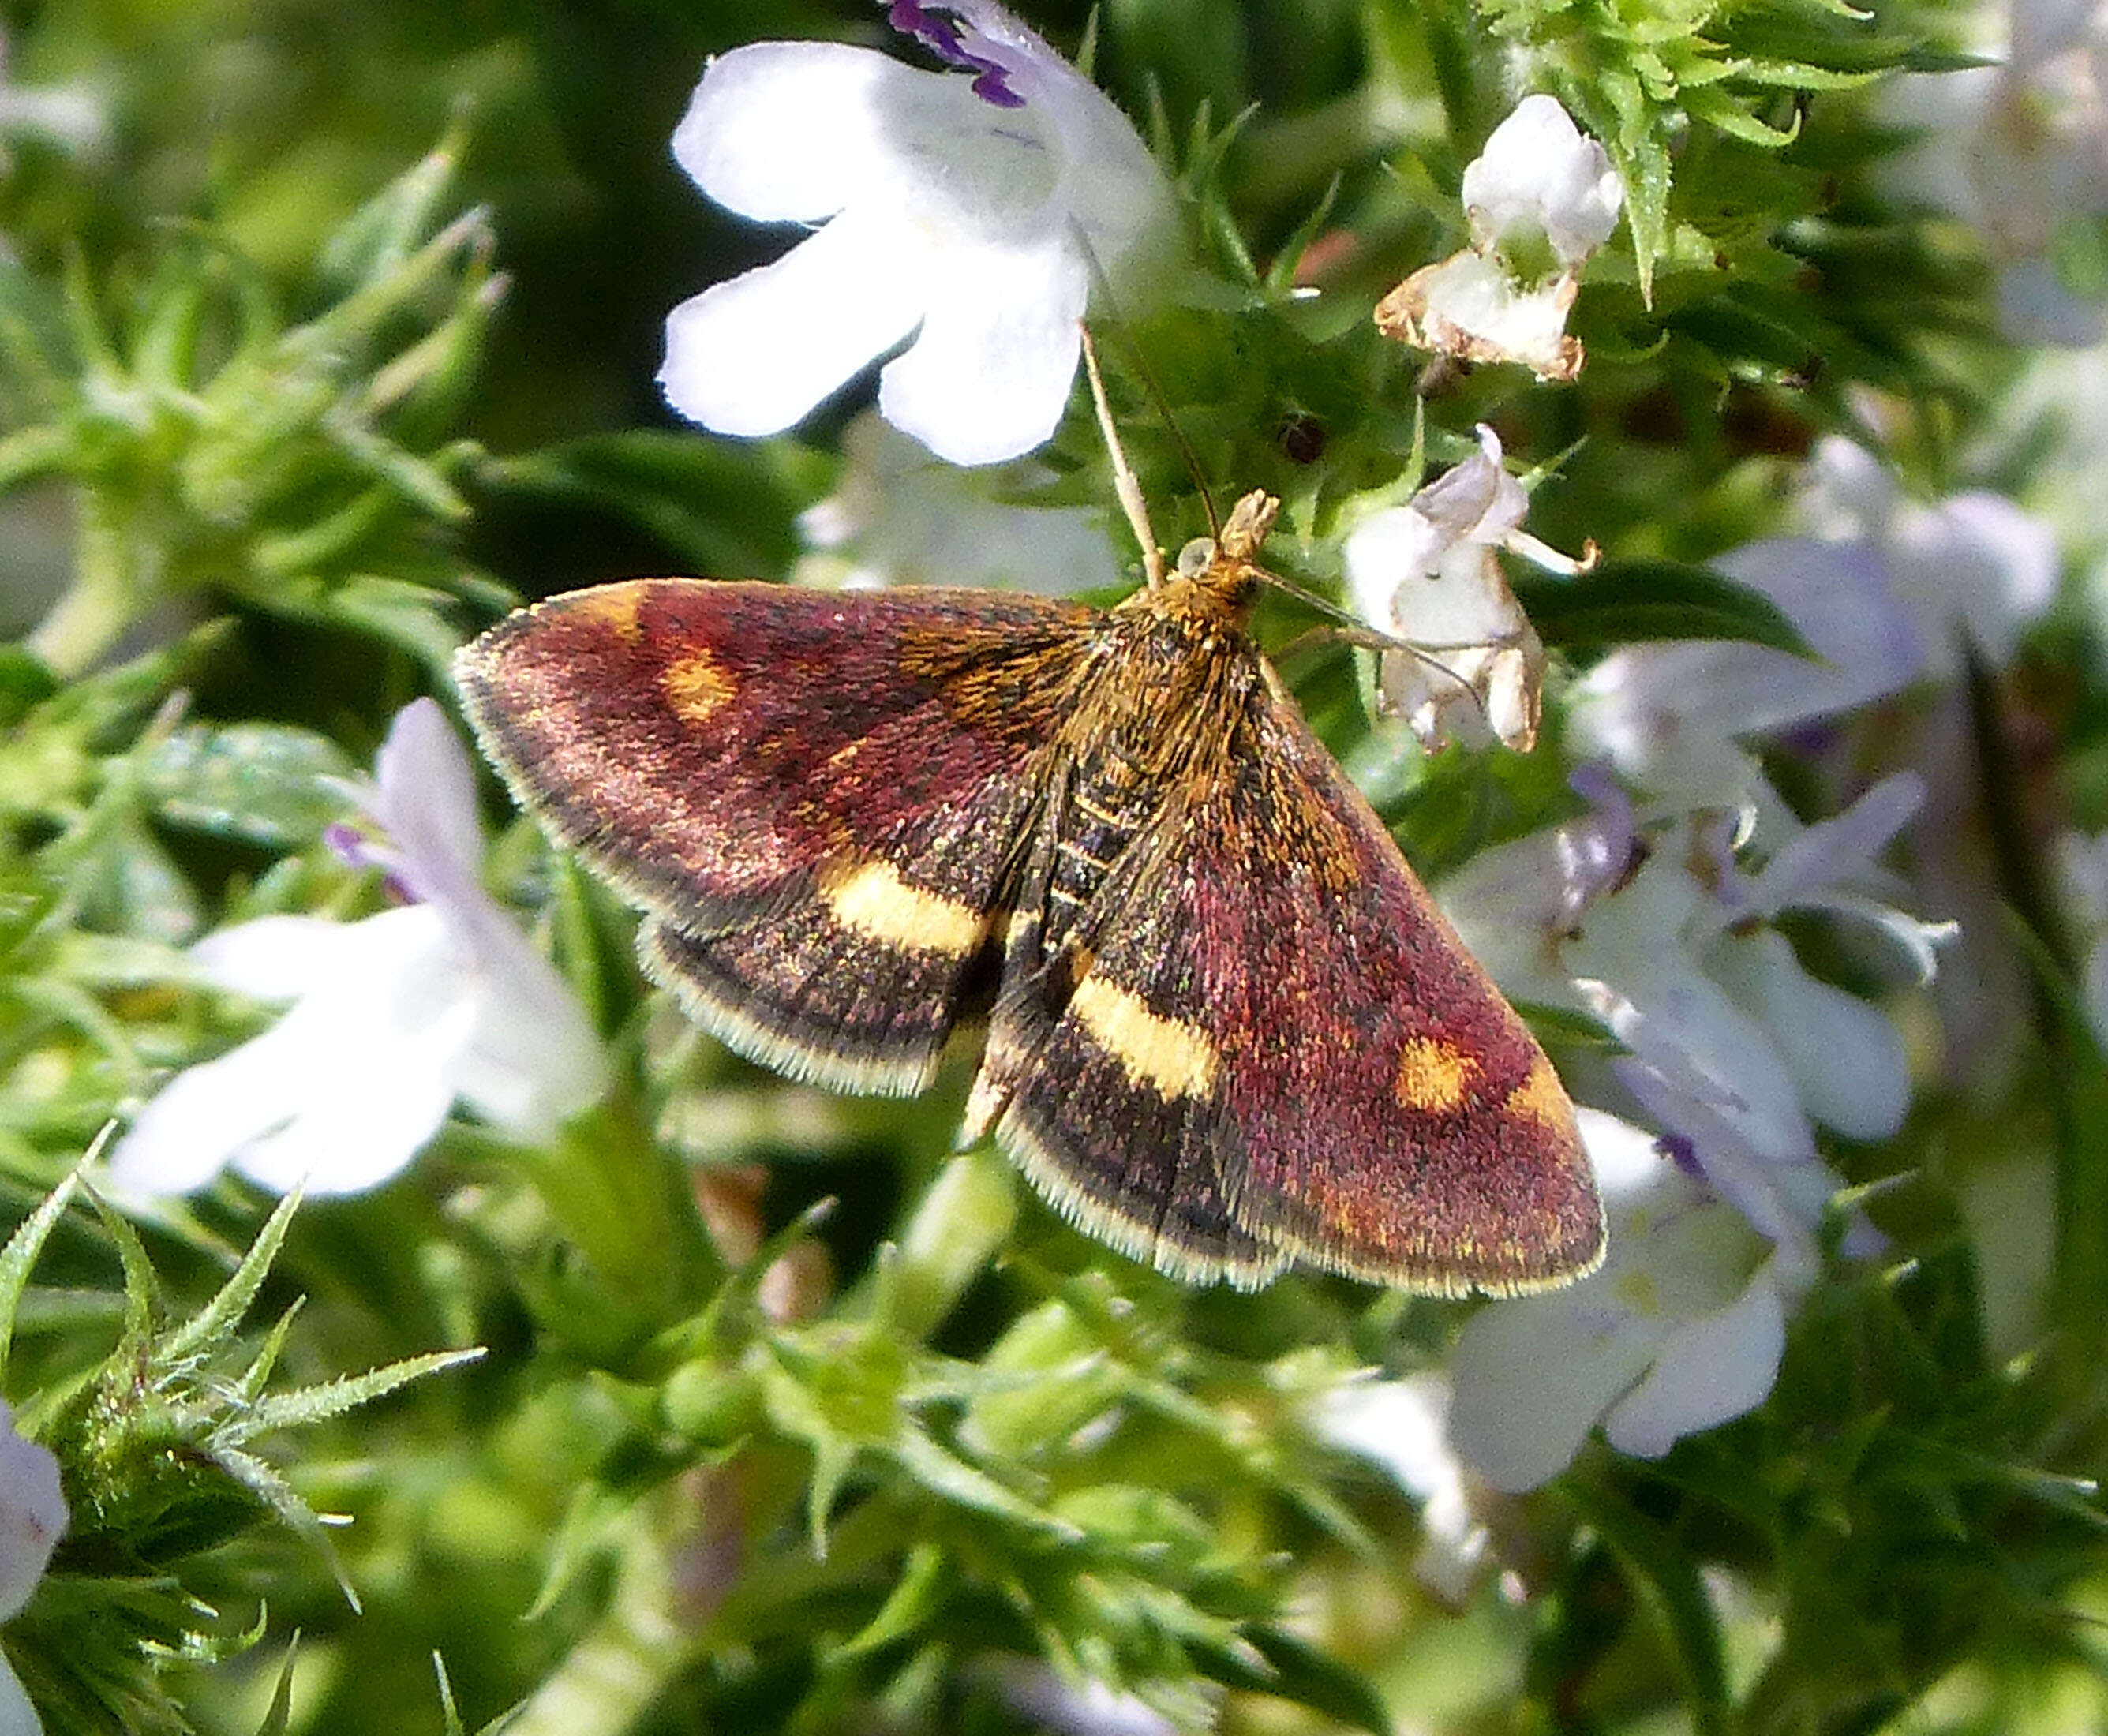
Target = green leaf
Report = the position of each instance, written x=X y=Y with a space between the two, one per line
x=278 y=1715
x=26 y=680
x=218 y=1320
x=266 y=784
x=20 y=1254
x=1629 y=601
x=1664 y=1578
x=945 y=1474
x=329 y=1398
x=721 y=508
x=916 y=1595
x=1297 y=1672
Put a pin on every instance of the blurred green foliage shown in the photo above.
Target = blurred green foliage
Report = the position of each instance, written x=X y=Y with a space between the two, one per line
x=339 y=334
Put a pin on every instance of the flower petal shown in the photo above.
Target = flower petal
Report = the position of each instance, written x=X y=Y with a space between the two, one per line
x=18 y=1717
x=183 y=1138
x=1531 y=1377
x=1384 y=552
x=753 y=355
x=902 y=516
x=1840 y=850
x=1647 y=704
x=425 y=799
x=793 y=132
x=1539 y=171
x=343 y=1044
x=532 y=1061
x=32 y=1515
x=274 y=958
x=1465 y=306
x=989 y=377
x=1844 y=1055
x=1978 y=563
x=1709 y=1370
x=1682 y=1025
x=361 y=1123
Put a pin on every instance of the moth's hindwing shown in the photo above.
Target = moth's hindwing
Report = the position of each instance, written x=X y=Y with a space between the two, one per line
x=816 y=797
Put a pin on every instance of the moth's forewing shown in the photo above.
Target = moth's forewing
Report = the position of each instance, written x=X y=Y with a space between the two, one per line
x=1274 y=1048
x=1399 y=1121
x=816 y=797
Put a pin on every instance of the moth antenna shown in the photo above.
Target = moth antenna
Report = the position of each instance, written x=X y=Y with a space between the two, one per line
x=1126 y=484
x=1186 y=454
x=1102 y=293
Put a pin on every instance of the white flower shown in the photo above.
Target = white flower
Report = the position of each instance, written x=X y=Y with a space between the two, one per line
x=1540 y=174
x=900 y=517
x=1468 y=307
x=32 y=1518
x=1881 y=591
x=970 y=215
x=1681 y=1329
x=73 y=118
x=1539 y=199
x=394 y=1018
x=1425 y=574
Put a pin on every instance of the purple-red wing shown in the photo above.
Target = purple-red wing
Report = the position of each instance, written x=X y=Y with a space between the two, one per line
x=705 y=743
x=1289 y=927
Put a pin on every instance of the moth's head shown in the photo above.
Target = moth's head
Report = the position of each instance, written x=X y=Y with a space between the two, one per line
x=1223 y=565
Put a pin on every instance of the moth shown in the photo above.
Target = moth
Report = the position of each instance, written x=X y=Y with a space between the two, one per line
x=1221 y=1024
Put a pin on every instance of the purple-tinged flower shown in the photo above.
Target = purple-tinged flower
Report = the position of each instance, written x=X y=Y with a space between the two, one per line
x=1732 y=1047
x=394 y=1018
x=1883 y=590
x=32 y=1518
x=1681 y=1329
x=969 y=219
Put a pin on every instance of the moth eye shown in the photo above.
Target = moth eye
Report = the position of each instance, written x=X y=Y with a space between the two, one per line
x=1193 y=559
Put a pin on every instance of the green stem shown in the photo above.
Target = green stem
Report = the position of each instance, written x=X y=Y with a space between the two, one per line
x=107 y=595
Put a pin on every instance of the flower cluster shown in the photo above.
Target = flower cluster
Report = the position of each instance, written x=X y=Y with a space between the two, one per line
x=1539 y=199
x=1648 y=919
x=1737 y=1052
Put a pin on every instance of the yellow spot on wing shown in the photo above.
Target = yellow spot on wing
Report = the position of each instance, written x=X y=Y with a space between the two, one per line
x=1433 y=1075
x=869 y=898
x=695 y=685
x=1542 y=1098
x=1173 y=1056
x=615 y=606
